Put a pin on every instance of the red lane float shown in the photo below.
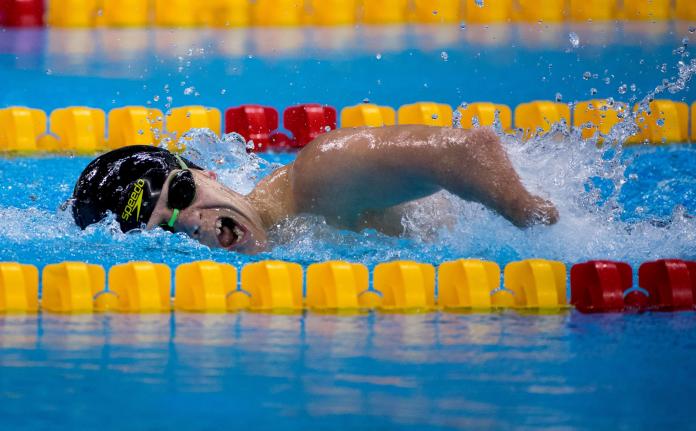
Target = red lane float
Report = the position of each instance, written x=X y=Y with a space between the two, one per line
x=671 y=283
x=636 y=300
x=308 y=121
x=599 y=285
x=254 y=122
x=21 y=13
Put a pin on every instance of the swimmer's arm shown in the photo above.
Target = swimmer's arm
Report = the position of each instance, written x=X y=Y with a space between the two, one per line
x=347 y=173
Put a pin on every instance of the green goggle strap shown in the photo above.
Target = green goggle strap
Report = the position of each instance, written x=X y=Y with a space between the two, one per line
x=172 y=220
x=175 y=212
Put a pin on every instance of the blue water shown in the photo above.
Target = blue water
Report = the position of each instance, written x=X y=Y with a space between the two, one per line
x=437 y=371
x=379 y=371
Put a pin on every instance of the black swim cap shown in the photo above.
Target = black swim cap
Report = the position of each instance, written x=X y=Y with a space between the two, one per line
x=126 y=182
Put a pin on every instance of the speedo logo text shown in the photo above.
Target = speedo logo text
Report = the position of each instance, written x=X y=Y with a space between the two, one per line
x=135 y=201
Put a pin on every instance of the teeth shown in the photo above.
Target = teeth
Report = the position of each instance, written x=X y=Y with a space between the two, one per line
x=238 y=232
x=218 y=227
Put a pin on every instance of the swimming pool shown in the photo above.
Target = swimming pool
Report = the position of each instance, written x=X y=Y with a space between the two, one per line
x=434 y=370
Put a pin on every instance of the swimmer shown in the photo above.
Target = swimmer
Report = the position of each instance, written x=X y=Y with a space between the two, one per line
x=355 y=178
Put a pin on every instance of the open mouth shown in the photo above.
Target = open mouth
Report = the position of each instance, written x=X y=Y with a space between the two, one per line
x=229 y=233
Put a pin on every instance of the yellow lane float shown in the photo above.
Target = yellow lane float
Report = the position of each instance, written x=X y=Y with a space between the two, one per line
x=664 y=122
x=367 y=114
x=484 y=114
x=537 y=283
x=134 y=125
x=273 y=286
x=141 y=287
x=19 y=287
x=467 y=283
x=405 y=285
x=78 y=129
x=536 y=118
x=204 y=286
x=427 y=113
x=336 y=285
x=20 y=128
x=70 y=287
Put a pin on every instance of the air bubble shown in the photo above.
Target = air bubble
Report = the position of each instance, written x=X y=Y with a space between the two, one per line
x=444 y=56
x=574 y=39
x=586 y=76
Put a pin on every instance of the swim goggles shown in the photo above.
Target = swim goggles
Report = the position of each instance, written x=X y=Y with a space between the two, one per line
x=181 y=193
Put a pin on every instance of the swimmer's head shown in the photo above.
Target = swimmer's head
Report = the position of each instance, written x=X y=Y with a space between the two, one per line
x=147 y=187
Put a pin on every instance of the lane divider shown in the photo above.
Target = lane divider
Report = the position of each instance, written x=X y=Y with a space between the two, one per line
x=80 y=129
x=536 y=118
x=400 y=286
x=240 y=13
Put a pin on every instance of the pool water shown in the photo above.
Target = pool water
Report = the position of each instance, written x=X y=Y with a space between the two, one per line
x=434 y=371
x=373 y=371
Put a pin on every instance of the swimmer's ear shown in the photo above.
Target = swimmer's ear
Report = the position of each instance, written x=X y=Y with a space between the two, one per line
x=210 y=174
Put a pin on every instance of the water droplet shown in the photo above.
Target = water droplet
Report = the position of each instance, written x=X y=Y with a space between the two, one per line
x=49 y=72
x=444 y=55
x=607 y=80
x=633 y=87
x=660 y=122
x=156 y=98
x=327 y=128
x=189 y=90
x=462 y=26
x=479 y=3
x=574 y=39
x=593 y=91
x=435 y=117
x=622 y=89
x=366 y=100
x=586 y=76
x=463 y=105
x=559 y=97
x=663 y=68
x=378 y=56
x=692 y=29
x=141 y=132
x=223 y=91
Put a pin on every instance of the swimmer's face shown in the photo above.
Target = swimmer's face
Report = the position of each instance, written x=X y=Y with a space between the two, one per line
x=218 y=217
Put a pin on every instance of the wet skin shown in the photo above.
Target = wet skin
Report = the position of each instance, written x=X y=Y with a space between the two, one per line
x=359 y=178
